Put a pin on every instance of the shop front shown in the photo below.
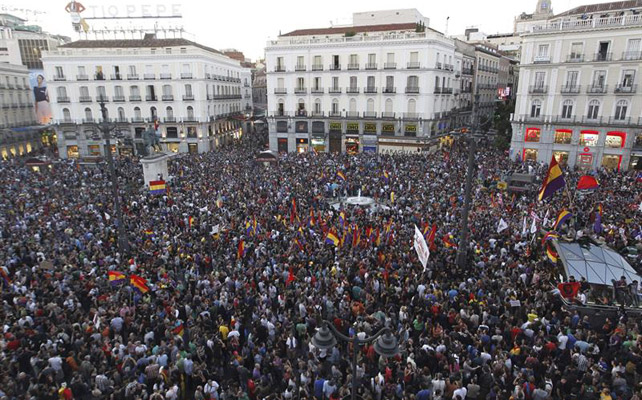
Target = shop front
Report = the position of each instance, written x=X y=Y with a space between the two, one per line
x=369 y=143
x=352 y=144
x=282 y=144
x=585 y=159
x=387 y=129
x=318 y=142
x=192 y=148
x=352 y=128
x=335 y=137
x=393 y=146
x=302 y=145
x=72 y=151
x=172 y=147
x=561 y=157
x=612 y=161
x=636 y=160
x=530 y=155
x=410 y=130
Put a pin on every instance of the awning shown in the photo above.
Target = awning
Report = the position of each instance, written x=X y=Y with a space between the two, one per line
x=34 y=128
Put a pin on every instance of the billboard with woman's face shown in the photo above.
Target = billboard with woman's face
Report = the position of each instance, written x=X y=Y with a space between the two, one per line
x=41 y=96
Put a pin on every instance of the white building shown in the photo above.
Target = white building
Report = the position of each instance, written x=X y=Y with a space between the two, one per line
x=578 y=93
x=384 y=83
x=16 y=112
x=194 y=92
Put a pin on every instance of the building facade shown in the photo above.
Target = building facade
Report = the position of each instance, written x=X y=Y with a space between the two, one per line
x=578 y=97
x=17 y=114
x=486 y=74
x=193 y=94
x=371 y=86
x=259 y=91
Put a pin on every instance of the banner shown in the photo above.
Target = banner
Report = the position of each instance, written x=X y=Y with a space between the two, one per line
x=421 y=247
x=502 y=225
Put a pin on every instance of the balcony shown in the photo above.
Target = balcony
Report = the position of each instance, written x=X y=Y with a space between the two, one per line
x=389 y=90
x=119 y=99
x=413 y=65
x=168 y=97
x=317 y=67
x=138 y=120
x=66 y=121
x=151 y=98
x=132 y=77
x=82 y=77
x=352 y=90
x=597 y=89
x=450 y=67
x=188 y=97
x=170 y=119
x=334 y=114
x=371 y=66
x=88 y=120
x=626 y=89
x=301 y=113
x=529 y=118
x=63 y=99
x=279 y=68
x=563 y=119
x=353 y=67
x=334 y=90
x=410 y=115
x=120 y=120
x=165 y=76
x=538 y=89
x=369 y=114
x=599 y=57
x=575 y=58
x=388 y=115
x=149 y=76
x=135 y=98
x=190 y=118
x=412 y=90
x=317 y=114
x=619 y=121
x=570 y=89
x=467 y=71
x=541 y=59
x=59 y=78
x=370 y=89
x=335 y=67
x=281 y=114
x=300 y=90
x=632 y=56
x=280 y=91
x=99 y=77
x=438 y=65
x=116 y=77
x=102 y=99
x=317 y=91
x=390 y=65
x=300 y=68
x=352 y=114
x=186 y=75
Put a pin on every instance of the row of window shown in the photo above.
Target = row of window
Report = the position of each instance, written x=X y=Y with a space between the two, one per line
x=88 y=114
x=352 y=106
x=627 y=79
x=592 y=112
x=150 y=90
x=317 y=82
x=602 y=52
x=586 y=137
x=15 y=82
x=132 y=71
x=354 y=61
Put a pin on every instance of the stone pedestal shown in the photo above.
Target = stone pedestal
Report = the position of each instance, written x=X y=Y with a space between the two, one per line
x=155 y=167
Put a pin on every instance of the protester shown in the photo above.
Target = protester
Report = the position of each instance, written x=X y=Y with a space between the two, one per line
x=241 y=266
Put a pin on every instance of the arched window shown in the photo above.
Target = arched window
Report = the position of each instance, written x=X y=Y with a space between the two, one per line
x=167 y=90
x=190 y=113
x=301 y=107
x=536 y=108
x=353 y=105
x=137 y=114
x=169 y=111
x=621 y=109
x=567 y=109
x=389 y=106
x=412 y=106
x=61 y=91
x=593 y=109
x=335 y=107
x=88 y=115
x=370 y=105
x=317 y=106
x=66 y=115
x=153 y=114
x=413 y=83
x=121 y=114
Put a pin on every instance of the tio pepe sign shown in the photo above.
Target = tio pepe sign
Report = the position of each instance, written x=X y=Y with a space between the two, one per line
x=135 y=10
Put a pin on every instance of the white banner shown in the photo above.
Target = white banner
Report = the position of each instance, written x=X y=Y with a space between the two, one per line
x=502 y=225
x=421 y=247
x=533 y=227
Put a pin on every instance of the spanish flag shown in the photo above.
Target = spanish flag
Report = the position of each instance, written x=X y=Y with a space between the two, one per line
x=341 y=176
x=157 y=187
x=448 y=241
x=139 y=283
x=293 y=215
x=550 y=236
x=179 y=330
x=356 y=236
x=240 y=252
x=561 y=218
x=331 y=238
x=190 y=221
x=116 y=277
x=553 y=182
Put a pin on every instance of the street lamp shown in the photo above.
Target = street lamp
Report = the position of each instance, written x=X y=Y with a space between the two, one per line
x=106 y=127
x=385 y=345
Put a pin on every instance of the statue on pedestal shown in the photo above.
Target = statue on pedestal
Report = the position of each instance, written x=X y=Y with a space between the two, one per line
x=151 y=140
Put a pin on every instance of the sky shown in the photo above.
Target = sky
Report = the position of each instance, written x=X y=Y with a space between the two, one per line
x=248 y=25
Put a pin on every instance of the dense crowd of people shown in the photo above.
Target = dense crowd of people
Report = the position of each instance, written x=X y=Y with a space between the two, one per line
x=242 y=269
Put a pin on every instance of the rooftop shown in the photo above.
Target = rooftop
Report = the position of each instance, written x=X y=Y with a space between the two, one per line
x=148 y=42
x=602 y=7
x=342 y=30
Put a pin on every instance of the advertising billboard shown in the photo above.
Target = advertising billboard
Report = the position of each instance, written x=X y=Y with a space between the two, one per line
x=38 y=85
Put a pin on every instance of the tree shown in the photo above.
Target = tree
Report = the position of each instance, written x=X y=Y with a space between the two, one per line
x=502 y=124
